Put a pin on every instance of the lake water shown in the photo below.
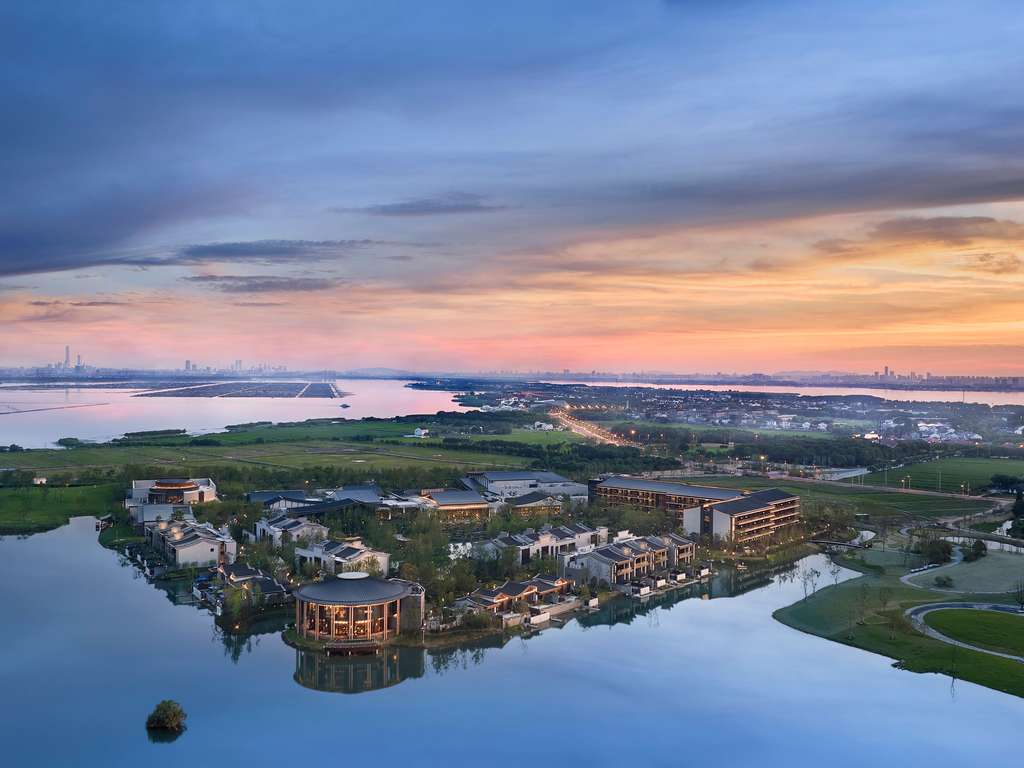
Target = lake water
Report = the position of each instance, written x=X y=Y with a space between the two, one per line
x=89 y=647
x=38 y=418
x=899 y=395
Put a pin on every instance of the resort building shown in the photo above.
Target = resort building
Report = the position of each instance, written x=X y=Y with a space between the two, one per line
x=513 y=483
x=675 y=498
x=457 y=507
x=237 y=573
x=549 y=541
x=743 y=518
x=502 y=599
x=281 y=500
x=355 y=609
x=341 y=556
x=365 y=494
x=191 y=544
x=748 y=519
x=149 y=500
x=533 y=504
x=629 y=559
x=283 y=529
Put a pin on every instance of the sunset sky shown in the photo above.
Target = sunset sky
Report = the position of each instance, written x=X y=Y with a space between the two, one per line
x=672 y=186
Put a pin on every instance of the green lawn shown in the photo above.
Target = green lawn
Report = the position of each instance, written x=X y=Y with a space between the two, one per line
x=1000 y=632
x=946 y=475
x=526 y=436
x=860 y=500
x=305 y=453
x=27 y=510
x=997 y=572
x=867 y=613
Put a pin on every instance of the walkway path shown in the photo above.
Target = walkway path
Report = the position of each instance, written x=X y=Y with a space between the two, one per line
x=956 y=558
x=917 y=614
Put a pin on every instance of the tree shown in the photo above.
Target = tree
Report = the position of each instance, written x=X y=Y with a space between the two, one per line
x=834 y=569
x=884 y=597
x=1018 y=592
x=976 y=551
x=937 y=551
x=234 y=602
x=168 y=715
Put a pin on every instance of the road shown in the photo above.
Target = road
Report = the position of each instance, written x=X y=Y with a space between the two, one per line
x=589 y=430
x=917 y=614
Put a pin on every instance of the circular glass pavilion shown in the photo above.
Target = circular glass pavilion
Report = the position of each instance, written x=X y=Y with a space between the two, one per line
x=354 y=608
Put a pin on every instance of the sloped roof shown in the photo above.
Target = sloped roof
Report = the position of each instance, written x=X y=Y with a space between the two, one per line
x=662 y=486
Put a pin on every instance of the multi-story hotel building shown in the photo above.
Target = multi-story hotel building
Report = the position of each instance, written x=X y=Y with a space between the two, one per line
x=727 y=513
x=657 y=494
x=753 y=518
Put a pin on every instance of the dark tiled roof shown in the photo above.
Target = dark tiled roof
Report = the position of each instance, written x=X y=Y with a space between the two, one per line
x=530 y=498
x=457 y=497
x=353 y=589
x=772 y=495
x=741 y=505
x=676 y=489
x=538 y=476
x=261 y=497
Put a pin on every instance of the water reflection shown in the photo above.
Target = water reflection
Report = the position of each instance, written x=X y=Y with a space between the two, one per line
x=161 y=736
x=37 y=418
x=358 y=674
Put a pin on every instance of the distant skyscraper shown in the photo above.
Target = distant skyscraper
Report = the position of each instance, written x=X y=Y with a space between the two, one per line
x=188 y=365
x=67 y=355
x=887 y=371
x=78 y=361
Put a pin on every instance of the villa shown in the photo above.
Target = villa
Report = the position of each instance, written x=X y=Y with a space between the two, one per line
x=629 y=558
x=340 y=556
x=283 y=529
x=502 y=599
x=549 y=541
x=191 y=544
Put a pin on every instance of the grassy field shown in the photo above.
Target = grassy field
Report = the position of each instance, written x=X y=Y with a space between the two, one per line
x=285 y=447
x=27 y=510
x=867 y=613
x=997 y=572
x=699 y=428
x=859 y=500
x=999 y=632
x=946 y=475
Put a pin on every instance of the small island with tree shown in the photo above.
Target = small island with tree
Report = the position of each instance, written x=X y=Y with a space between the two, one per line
x=167 y=717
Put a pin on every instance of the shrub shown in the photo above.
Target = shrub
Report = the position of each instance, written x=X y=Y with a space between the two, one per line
x=167 y=716
x=943 y=582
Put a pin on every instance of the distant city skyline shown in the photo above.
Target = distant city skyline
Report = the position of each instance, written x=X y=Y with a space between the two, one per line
x=238 y=366
x=539 y=186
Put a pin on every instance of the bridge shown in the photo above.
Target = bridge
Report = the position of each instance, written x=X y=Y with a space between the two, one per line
x=847 y=544
x=966 y=533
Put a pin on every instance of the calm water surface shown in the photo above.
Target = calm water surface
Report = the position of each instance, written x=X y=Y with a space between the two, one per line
x=38 y=418
x=88 y=648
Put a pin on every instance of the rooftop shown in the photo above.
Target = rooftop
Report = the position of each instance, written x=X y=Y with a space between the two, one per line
x=662 y=486
x=456 y=497
x=355 y=588
x=540 y=476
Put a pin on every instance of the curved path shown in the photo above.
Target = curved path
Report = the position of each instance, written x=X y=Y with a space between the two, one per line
x=956 y=558
x=917 y=614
